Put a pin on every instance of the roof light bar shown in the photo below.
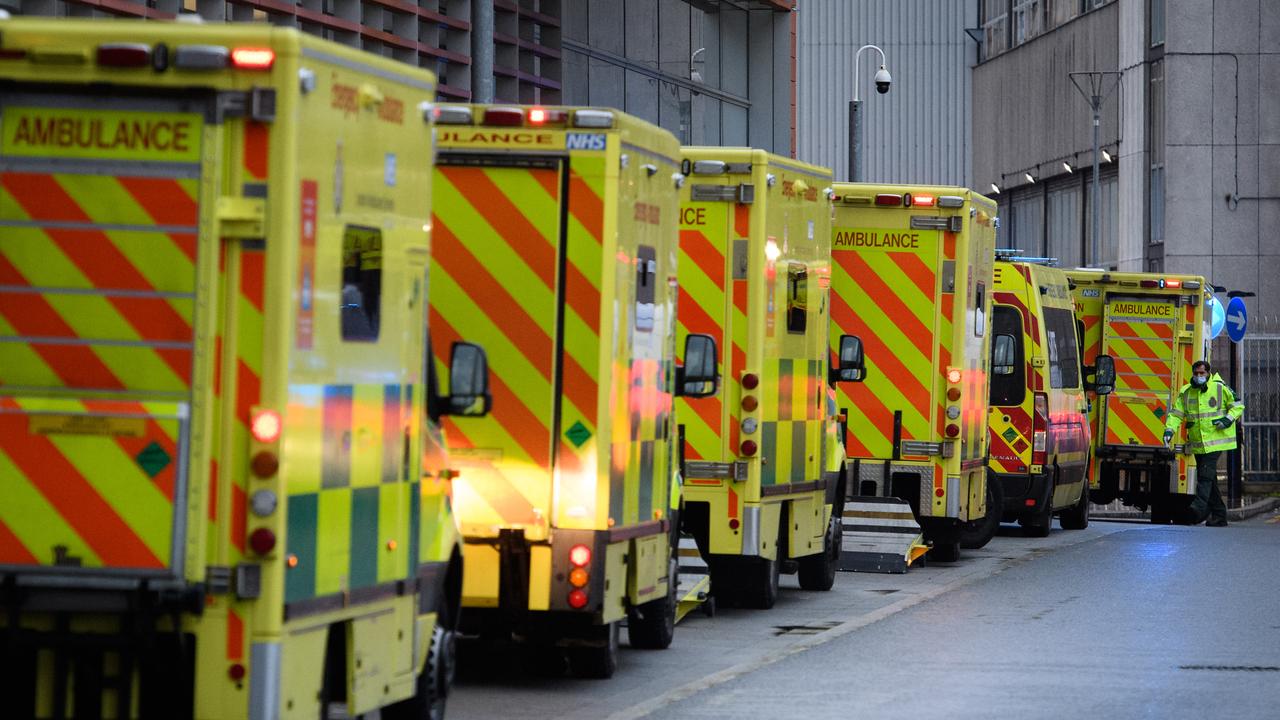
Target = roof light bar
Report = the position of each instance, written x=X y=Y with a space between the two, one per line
x=253 y=58
x=504 y=116
x=201 y=57
x=124 y=55
x=922 y=200
x=454 y=115
x=593 y=119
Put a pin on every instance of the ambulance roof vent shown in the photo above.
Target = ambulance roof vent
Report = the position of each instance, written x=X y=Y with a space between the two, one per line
x=453 y=115
x=593 y=119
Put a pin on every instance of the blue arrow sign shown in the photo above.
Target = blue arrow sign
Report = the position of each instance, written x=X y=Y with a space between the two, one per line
x=1237 y=319
x=1217 y=317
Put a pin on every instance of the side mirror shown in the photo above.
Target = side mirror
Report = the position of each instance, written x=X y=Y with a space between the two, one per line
x=851 y=365
x=1003 y=354
x=468 y=381
x=697 y=377
x=1104 y=374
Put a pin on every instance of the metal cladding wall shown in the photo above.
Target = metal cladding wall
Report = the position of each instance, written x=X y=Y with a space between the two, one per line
x=920 y=131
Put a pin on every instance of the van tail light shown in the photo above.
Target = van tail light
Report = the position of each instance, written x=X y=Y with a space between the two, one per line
x=1040 y=430
x=246 y=58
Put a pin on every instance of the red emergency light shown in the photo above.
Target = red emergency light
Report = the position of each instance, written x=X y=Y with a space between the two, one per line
x=252 y=58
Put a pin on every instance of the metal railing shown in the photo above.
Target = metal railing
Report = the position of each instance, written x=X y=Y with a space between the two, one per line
x=1260 y=388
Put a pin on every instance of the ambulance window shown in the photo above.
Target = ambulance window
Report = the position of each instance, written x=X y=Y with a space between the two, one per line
x=980 y=310
x=1007 y=388
x=646 y=286
x=1064 y=361
x=361 y=295
x=797 y=297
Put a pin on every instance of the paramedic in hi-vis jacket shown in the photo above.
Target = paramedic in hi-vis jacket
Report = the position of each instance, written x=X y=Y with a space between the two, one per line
x=1209 y=409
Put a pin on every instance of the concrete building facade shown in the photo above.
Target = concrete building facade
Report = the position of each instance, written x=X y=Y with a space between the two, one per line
x=717 y=72
x=920 y=131
x=1191 y=172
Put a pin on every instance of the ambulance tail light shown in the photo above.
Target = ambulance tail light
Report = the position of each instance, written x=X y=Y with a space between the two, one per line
x=504 y=117
x=954 y=375
x=124 y=55
x=593 y=119
x=577 y=599
x=580 y=556
x=922 y=200
x=1040 y=429
x=1173 y=283
x=748 y=448
x=248 y=58
x=265 y=426
x=888 y=200
x=262 y=541
x=750 y=381
x=1151 y=283
x=953 y=430
x=454 y=115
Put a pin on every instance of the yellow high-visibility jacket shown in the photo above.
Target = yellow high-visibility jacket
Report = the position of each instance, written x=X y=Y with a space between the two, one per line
x=1198 y=408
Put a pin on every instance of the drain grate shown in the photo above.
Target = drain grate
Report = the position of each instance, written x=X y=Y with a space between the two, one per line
x=1232 y=668
x=812 y=629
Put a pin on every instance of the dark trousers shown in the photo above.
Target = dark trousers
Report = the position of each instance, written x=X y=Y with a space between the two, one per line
x=1207 y=504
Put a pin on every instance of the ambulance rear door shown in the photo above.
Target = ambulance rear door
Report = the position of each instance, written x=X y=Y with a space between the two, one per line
x=1138 y=331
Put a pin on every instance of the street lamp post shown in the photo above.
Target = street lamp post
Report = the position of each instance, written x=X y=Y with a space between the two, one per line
x=883 y=79
x=1099 y=89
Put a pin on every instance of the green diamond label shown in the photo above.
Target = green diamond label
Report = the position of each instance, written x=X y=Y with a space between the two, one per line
x=578 y=434
x=1159 y=411
x=153 y=459
x=1010 y=434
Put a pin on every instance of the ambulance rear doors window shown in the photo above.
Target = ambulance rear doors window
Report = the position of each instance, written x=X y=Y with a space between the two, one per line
x=1064 y=363
x=361 y=297
x=646 y=286
x=1008 y=379
x=797 y=297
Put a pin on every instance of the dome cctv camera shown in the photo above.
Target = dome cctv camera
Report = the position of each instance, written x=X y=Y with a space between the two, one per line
x=883 y=80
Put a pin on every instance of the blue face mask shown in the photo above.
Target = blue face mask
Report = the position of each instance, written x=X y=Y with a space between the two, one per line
x=1198 y=380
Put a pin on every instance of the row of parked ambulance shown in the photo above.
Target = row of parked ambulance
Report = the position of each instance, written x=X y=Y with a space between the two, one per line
x=307 y=378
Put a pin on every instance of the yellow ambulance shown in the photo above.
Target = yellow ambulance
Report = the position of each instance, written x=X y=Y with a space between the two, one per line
x=224 y=491
x=912 y=277
x=1038 y=423
x=555 y=246
x=1154 y=326
x=763 y=481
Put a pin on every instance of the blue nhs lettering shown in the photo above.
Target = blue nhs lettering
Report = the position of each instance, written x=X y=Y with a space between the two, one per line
x=584 y=141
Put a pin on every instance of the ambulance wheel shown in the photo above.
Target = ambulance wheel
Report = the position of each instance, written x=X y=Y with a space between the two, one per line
x=945 y=551
x=748 y=582
x=652 y=625
x=434 y=682
x=818 y=572
x=1038 y=524
x=1077 y=516
x=596 y=662
x=977 y=534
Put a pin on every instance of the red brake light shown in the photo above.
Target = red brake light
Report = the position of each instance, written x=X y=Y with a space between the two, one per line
x=888 y=200
x=262 y=540
x=953 y=394
x=537 y=116
x=953 y=430
x=505 y=117
x=577 y=599
x=264 y=464
x=750 y=381
x=749 y=447
x=750 y=403
x=1173 y=283
x=580 y=555
x=253 y=58
x=1040 y=429
x=1151 y=283
x=266 y=426
x=922 y=200
x=124 y=55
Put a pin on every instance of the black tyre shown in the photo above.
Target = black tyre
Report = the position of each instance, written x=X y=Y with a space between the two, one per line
x=599 y=660
x=652 y=625
x=434 y=682
x=818 y=572
x=1039 y=523
x=977 y=534
x=1161 y=511
x=945 y=551
x=1076 y=517
x=760 y=591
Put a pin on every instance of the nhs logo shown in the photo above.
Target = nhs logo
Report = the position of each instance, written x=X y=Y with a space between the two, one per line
x=584 y=141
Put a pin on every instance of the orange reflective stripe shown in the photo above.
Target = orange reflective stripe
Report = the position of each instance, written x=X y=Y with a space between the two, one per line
x=907 y=322
x=510 y=224
x=12 y=551
x=256 y=149
x=492 y=298
x=76 y=500
x=586 y=206
x=167 y=204
x=235 y=635
x=915 y=269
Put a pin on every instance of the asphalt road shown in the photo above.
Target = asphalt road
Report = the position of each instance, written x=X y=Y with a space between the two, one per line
x=1118 y=620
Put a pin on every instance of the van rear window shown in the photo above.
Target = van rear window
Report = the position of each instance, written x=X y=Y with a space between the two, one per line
x=1008 y=363
x=1064 y=361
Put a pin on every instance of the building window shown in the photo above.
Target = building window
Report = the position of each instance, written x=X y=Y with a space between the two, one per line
x=1109 y=240
x=1061 y=12
x=1026 y=224
x=1027 y=20
x=995 y=27
x=1157 y=22
x=1155 y=135
x=797 y=297
x=1062 y=224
